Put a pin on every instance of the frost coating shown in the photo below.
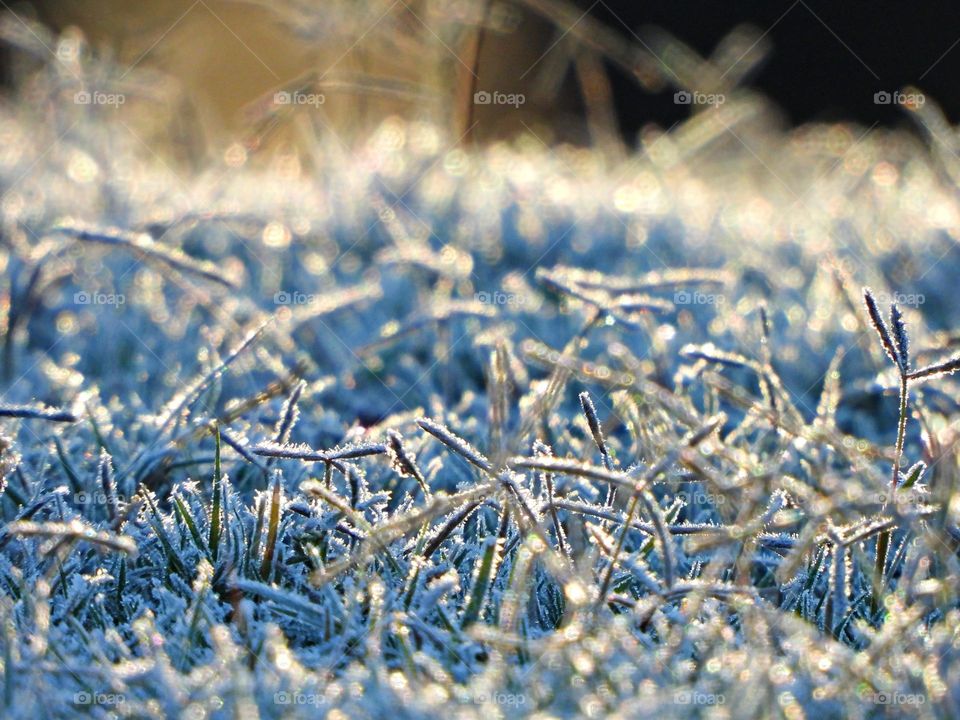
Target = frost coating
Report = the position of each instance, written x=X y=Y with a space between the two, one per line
x=410 y=506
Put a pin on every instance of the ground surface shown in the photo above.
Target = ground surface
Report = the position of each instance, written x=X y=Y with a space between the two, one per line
x=412 y=510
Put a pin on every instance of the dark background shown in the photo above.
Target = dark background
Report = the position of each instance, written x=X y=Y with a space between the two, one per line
x=828 y=58
x=809 y=72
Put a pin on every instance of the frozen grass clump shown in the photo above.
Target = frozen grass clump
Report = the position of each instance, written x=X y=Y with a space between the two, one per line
x=507 y=433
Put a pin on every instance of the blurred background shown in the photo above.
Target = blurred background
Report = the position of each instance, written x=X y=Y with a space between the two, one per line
x=580 y=71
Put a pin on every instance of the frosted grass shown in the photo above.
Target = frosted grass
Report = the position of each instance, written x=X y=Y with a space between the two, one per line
x=555 y=436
